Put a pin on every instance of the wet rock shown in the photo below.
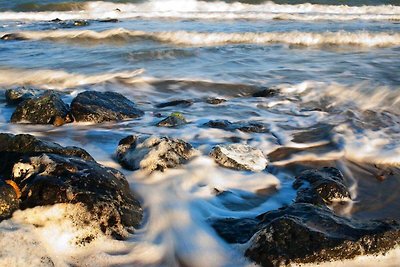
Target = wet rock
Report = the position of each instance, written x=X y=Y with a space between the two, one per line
x=80 y=23
x=215 y=101
x=239 y=157
x=13 y=37
x=319 y=132
x=9 y=200
x=180 y=103
x=248 y=127
x=44 y=109
x=91 y=106
x=321 y=187
x=174 y=120
x=56 y=20
x=47 y=173
x=305 y=233
x=235 y=230
x=18 y=95
x=269 y=92
x=153 y=153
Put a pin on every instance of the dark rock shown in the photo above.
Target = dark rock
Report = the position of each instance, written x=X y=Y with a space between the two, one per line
x=18 y=95
x=153 y=153
x=47 y=173
x=269 y=92
x=305 y=233
x=91 y=106
x=13 y=37
x=235 y=230
x=239 y=157
x=215 y=101
x=42 y=110
x=248 y=127
x=180 y=103
x=109 y=20
x=56 y=20
x=319 y=132
x=174 y=120
x=321 y=187
x=80 y=23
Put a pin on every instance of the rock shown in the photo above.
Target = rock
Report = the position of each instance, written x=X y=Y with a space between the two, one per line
x=180 y=103
x=248 y=127
x=174 y=120
x=239 y=157
x=80 y=23
x=13 y=37
x=215 y=101
x=18 y=95
x=153 y=153
x=235 y=230
x=56 y=20
x=109 y=20
x=42 y=110
x=9 y=200
x=91 y=106
x=269 y=92
x=321 y=187
x=47 y=173
x=305 y=233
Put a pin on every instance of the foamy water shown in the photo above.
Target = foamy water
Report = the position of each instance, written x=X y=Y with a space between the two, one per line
x=335 y=66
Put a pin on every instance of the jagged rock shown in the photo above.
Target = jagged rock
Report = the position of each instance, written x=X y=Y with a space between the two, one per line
x=91 y=106
x=248 y=127
x=180 y=103
x=153 y=153
x=269 y=92
x=173 y=120
x=18 y=95
x=239 y=157
x=320 y=187
x=47 y=173
x=305 y=233
x=44 y=109
x=9 y=200
x=215 y=101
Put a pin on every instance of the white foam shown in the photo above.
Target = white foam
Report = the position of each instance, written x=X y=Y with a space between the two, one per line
x=214 y=10
x=359 y=38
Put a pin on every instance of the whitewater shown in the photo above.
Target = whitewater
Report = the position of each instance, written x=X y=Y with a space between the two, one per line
x=334 y=72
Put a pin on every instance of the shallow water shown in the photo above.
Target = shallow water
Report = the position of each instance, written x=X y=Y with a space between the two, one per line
x=337 y=70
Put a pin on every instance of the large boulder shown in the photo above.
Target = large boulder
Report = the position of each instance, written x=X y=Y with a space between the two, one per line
x=152 y=153
x=239 y=157
x=305 y=233
x=45 y=109
x=92 y=106
x=45 y=173
x=17 y=95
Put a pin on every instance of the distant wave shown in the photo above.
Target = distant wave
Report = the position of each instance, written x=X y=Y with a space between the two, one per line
x=194 y=9
x=361 y=38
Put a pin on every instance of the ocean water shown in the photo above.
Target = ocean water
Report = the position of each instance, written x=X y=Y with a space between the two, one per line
x=336 y=64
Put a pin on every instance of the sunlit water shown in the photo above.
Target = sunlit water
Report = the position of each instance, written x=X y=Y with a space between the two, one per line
x=334 y=65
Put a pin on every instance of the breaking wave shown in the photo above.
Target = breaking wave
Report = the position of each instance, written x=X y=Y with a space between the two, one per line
x=360 y=38
x=201 y=10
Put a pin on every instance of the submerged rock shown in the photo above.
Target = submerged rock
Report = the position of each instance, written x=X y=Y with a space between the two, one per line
x=109 y=20
x=153 y=153
x=47 y=173
x=91 y=106
x=248 y=127
x=180 y=103
x=269 y=92
x=321 y=187
x=215 y=101
x=174 y=120
x=45 y=109
x=13 y=37
x=305 y=233
x=234 y=230
x=18 y=95
x=239 y=157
